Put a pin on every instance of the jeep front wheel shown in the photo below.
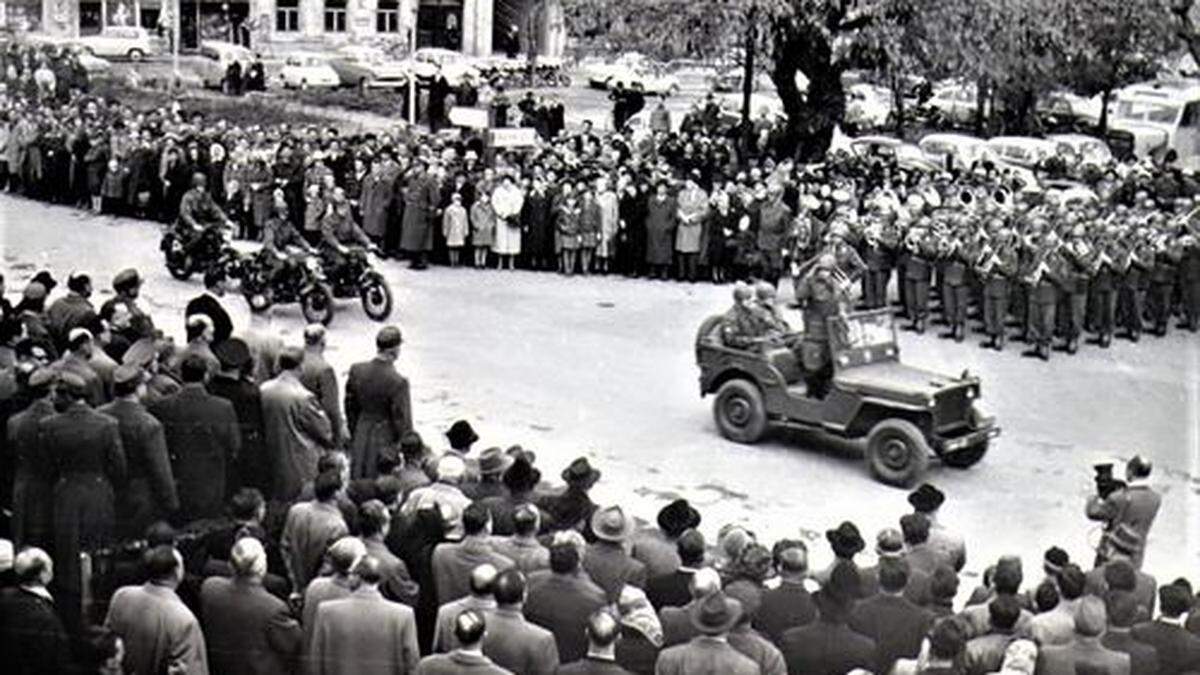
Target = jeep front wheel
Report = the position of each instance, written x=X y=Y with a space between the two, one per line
x=967 y=457
x=897 y=452
x=739 y=412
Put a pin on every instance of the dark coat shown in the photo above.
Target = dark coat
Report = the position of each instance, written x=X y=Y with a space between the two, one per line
x=1064 y=659
x=150 y=493
x=85 y=449
x=452 y=564
x=635 y=652
x=247 y=630
x=537 y=222
x=1142 y=657
x=896 y=625
x=459 y=663
x=253 y=467
x=34 y=479
x=420 y=200
x=562 y=603
x=670 y=590
x=32 y=638
x=788 y=606
x=591 y=666
x=516 y=644
x=318 y=377
x=203 y=438
x=378 y=412
x=660 y=230
x=824 y=648
x=1178 y=650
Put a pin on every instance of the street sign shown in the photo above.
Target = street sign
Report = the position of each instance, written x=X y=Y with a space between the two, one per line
x=472 y=118
x=513 y=138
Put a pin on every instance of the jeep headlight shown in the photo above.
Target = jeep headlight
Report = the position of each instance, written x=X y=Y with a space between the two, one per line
x=972 y=393
x=932 y=402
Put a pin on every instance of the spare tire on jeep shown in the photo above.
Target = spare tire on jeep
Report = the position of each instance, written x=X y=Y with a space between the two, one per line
x=897 y=452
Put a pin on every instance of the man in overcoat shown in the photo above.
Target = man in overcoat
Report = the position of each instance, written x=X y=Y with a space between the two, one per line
x=295 y=428
x=203 y=438
x=378 y=405
x=420 y=200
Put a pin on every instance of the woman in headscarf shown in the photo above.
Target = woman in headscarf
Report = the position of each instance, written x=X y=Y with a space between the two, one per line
x=641 y=632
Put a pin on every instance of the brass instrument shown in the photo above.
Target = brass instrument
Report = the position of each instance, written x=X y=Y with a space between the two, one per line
x=1041 y=264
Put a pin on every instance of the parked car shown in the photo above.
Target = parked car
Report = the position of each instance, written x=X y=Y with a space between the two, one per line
x=214 y=60
x=868 y=106
x=1023 y=151
x=428 y=62
x=302 y=70
x=1088 y=149
x=132 y=42
x=907 y=415
x=907 y=155
x=954 y=150
x=368 y=68
x=1063 y=110
x=1152 y=118
x=954 y=103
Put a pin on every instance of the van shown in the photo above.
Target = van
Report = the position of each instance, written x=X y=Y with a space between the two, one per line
x=1148 y=120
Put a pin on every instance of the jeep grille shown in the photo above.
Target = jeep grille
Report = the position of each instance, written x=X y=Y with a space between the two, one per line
x=951 y=409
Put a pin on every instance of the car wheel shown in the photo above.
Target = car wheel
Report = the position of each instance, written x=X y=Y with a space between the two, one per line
x=967 y=457
x=136 y=55
x=897 y=453
x=739 y=411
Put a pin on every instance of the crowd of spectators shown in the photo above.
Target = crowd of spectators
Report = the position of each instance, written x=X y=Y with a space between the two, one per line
x=240 y=511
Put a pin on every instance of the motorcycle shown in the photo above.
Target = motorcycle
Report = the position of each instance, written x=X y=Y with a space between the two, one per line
x=353 y=277
x=211 y=254
x=267 y=282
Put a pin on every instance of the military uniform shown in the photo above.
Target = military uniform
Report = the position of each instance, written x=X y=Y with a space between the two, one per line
x=740 y=328
x=1132 y=294
x=918 y=271
x=996 y=272
x=1163 y=272
x=878 y=261
x=1104 y=297
x=198 y=210
x=956 y=295
x=821 y=298
x=1043 y=291
x=1189 y=274
x=1073 y=306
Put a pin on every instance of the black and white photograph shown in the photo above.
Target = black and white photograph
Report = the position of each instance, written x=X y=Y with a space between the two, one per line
x=599 y=337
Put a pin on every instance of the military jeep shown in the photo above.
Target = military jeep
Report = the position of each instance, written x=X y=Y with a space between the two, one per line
x=907 y=415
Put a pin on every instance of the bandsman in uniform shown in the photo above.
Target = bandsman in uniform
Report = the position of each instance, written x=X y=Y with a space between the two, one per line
x=956 y=295
x=1164 y=270
x=877 y=256
x=1076 y=254
x=1043 y=278
x=918 y=270
x=1104 y=286
x=996 y=267
x=1132 y=293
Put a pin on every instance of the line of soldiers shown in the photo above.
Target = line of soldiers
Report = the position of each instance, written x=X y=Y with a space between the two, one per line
x=1060 y=269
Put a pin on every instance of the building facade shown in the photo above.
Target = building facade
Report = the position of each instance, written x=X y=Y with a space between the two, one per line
x=473 y=27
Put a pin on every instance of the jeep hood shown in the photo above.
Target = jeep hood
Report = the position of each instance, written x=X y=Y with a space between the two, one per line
x=893 y=379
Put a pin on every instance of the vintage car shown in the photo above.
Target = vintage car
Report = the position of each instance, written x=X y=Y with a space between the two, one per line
x=367 y=67
x=214 y=59
x=302 y=70
x=428 y=62
x=907 y=155
x=123 y=42
x=1022 y=151
x=1152 y=118
x=954 y=150
x=1085 y=149
x=907 y=415
x=954 y=103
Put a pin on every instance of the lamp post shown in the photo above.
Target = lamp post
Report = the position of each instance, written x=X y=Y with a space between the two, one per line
x=412 y=75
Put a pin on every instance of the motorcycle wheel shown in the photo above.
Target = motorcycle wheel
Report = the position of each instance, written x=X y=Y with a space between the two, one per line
x=179 y=265
x=376 y=297
x=317 y=305
x=259 y=300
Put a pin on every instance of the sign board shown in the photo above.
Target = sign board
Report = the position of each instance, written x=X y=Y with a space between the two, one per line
x=472 y=118
x=513 y=138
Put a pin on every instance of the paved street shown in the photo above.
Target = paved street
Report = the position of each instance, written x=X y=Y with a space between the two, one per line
x=604 y=367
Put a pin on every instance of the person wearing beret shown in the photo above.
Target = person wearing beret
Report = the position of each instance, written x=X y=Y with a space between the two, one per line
x=149 y=495
x=84 y=448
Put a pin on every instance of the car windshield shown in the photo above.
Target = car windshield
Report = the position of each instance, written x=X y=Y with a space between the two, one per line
x=1146 y=111
x=938 y=147
x=864 y=330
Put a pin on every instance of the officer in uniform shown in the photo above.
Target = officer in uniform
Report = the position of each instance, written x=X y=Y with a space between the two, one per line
x=198 y=211
x=822 y=293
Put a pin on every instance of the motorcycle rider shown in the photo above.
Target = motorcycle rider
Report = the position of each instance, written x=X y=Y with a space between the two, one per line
x=198 y=212
x=280 y=239
x=338 y=230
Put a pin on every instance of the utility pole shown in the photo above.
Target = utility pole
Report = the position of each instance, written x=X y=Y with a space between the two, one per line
x=412 y=75
x=748 y=71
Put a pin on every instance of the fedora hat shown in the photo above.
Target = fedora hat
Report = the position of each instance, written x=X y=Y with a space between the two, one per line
x=678 y=516
x=493 y=461
x=461 y=434
x=521 y=476
x=716 y=614
x=926 y=498
x=611 y=524
x=581 y=472
x=845 y=540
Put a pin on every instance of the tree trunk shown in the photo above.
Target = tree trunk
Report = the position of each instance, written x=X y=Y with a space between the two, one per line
x=898 y=106
x=981 y=97
x=811 y=116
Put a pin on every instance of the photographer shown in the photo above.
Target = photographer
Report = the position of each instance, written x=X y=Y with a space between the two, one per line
x=1131 y=503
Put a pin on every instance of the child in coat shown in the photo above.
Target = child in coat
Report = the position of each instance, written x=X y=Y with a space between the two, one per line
x=454 y=227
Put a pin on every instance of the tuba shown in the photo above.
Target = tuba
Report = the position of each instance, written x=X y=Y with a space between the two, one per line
x=1002 y=198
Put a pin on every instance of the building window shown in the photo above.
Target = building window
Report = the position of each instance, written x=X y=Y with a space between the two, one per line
x=287 y=16
x=335 y=16
x=387 y=16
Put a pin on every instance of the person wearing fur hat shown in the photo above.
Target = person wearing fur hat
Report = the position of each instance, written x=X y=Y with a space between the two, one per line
x=656 y=547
